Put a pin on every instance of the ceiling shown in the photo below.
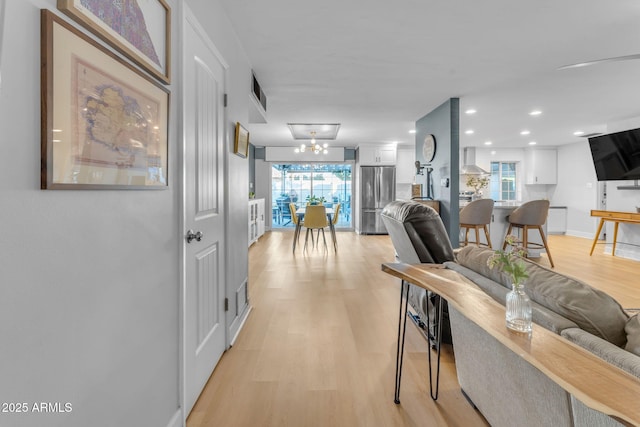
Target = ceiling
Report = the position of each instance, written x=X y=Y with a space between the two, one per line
x=377 y=66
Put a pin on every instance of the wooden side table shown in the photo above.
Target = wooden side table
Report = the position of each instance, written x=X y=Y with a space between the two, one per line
x=617 y=218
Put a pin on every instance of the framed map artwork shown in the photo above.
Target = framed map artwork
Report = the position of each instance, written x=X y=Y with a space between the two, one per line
x=104 y=122
x=139 y=29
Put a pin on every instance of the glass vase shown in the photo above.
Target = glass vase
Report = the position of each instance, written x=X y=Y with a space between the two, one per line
x=518 y=311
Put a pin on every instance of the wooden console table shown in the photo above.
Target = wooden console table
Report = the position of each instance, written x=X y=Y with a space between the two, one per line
x=596 y=383
x=617 y=218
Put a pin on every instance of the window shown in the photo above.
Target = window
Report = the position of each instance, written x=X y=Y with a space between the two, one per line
x=503 y=180
x=297 y=182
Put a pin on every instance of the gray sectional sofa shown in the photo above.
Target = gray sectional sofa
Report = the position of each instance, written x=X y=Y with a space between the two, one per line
x=505 y=388
x=500 y=383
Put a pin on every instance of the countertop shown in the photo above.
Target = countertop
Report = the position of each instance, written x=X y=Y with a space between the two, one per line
x=498 y=205
x=508 y=204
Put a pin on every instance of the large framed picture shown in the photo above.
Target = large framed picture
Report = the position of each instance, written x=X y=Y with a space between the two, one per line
x=139 y=29
x=104 y=122
x=241 y=146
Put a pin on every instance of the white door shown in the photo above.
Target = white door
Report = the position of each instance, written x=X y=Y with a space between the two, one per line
x=204 y=265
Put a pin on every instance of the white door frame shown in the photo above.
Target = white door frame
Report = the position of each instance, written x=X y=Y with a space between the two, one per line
x=185 y=14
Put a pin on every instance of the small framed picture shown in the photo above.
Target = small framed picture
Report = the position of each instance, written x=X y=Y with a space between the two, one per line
x=241 y=146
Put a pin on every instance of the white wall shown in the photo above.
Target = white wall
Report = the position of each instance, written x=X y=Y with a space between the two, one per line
x=90 y=283
x=577 y=188
x=405 y=164
x=89 y=279
x=405 y=171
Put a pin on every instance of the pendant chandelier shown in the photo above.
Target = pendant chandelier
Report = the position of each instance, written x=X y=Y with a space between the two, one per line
x=314 y=147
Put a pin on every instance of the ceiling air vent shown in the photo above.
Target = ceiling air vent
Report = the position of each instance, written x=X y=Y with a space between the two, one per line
x=257 y=91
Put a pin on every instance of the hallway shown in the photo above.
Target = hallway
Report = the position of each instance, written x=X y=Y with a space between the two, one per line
x=318 y=349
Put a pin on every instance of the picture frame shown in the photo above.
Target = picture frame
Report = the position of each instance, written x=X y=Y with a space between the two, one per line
x=147 y=43
x=241 y=145
x=104 y=123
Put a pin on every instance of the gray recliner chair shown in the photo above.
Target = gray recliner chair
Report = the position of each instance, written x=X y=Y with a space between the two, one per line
x=419 y=236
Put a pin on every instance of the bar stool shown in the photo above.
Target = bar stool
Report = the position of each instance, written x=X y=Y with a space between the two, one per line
x=477 y=215
x=530 y=215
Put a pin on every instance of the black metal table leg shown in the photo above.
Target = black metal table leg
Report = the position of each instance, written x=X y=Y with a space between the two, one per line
x=438 y=343
x=402 y=329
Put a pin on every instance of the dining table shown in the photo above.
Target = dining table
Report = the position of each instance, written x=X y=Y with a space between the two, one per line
x=300 y=214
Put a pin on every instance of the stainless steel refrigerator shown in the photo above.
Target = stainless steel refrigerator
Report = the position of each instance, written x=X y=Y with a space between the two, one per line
x=377 y=189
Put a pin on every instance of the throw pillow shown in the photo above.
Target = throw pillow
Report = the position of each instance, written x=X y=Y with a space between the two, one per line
x=632 y=328
x=591 y=309
x=475 y=258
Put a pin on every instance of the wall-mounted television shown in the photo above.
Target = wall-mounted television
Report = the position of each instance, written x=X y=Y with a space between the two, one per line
x=616 y=156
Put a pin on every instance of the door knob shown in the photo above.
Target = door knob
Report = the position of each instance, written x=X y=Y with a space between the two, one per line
x=191 y=236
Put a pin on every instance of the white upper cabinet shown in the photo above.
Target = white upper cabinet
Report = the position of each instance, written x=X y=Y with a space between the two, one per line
x=542 y=166
x=376 y=155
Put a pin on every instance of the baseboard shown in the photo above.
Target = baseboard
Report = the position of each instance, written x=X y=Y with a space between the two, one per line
x=575 y=233
x=176 y=420
x=623 y=253
x=242 y=319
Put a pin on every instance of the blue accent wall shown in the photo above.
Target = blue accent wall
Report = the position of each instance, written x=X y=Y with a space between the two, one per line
x=444 y=124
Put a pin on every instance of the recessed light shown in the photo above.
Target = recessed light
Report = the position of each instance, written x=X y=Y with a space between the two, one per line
x=578 y=133
x=412 y=131
x=532 y=143
x=525 y=132
x=488 y=143
x=471 y=111
x=493 y=152
x=469 y=132
x=535 y=113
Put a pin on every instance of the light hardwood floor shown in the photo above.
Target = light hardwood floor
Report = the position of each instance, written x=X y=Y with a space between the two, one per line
x=318 y=348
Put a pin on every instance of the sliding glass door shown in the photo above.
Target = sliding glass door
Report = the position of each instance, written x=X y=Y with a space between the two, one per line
x=298 y=183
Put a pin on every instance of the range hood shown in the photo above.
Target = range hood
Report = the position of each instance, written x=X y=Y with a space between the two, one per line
x=470 y=168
